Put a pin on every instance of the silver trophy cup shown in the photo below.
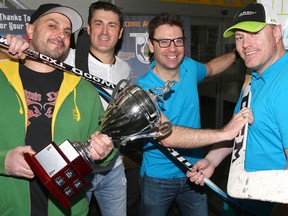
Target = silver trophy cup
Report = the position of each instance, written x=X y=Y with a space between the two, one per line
x=132 y=114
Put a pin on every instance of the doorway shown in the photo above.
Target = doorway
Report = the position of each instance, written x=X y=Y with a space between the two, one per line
x=218 y=94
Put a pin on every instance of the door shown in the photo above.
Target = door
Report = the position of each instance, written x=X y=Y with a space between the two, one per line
x=218 y=94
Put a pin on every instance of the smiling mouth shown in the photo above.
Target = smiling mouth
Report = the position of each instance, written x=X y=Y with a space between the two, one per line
x=250 y=53
x=103 y=38
x=58 y=43
x=171 y=56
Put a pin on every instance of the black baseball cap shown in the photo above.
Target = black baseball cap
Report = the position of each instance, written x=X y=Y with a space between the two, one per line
x=253 y=18
x=74 y=17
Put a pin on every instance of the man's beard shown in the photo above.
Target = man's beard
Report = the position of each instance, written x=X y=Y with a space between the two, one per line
x=55 y=53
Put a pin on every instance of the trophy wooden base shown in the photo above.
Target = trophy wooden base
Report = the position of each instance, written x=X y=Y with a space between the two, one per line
x=61 y=169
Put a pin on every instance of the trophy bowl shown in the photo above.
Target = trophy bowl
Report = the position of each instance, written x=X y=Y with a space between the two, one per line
x=133 y=113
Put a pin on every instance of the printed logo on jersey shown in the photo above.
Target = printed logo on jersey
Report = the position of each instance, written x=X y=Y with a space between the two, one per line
x=40 y=106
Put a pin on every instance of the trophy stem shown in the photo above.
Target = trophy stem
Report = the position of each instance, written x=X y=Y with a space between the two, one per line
x=83 y=149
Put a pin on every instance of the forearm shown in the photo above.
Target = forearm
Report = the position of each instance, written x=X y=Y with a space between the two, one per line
x=185 y=137
x=218 y=153
x=220 y=64
x=193 y=138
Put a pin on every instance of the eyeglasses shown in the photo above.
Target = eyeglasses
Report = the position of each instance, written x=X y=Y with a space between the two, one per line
x=164 y=43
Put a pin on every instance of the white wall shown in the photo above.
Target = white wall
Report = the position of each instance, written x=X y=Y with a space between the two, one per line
x=80 y=5
x=146 y=7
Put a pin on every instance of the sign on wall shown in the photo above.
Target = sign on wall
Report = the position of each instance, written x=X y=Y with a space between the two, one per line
x=134 y=48
x=14 y=21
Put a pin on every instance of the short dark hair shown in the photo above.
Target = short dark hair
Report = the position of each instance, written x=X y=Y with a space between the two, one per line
x=107 y=7
x=165 y=18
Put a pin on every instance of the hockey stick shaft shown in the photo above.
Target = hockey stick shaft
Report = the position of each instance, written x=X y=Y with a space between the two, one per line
x=61 y=66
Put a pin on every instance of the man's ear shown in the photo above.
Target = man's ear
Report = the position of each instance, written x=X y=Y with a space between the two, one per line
x=278 y=33
x=151 y=46
x=88 y=29
x=29 y=31
x=120 y=33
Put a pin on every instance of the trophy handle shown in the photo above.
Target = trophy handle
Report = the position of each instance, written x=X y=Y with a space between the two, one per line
x=162 y=90
x=120 y=85
x=164 y=129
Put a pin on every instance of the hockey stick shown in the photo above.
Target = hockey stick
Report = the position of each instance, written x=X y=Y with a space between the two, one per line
x=62 y=66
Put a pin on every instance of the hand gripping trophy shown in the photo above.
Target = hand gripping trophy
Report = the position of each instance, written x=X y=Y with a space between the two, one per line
x=132 y=114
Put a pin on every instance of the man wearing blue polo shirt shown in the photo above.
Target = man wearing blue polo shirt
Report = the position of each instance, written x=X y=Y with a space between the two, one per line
x=162 y=181
x=258 y=36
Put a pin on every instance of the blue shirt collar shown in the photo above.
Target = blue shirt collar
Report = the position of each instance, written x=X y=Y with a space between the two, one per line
x=268 y=74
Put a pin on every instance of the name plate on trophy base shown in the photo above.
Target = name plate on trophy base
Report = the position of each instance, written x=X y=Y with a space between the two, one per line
x=61 y=169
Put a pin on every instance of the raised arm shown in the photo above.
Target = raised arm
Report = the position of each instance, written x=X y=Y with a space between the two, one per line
x=220 y=64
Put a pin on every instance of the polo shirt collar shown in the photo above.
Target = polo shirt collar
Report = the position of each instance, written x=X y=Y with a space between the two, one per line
x=268 y=74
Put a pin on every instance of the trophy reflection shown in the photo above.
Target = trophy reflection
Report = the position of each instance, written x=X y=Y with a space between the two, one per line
x=132 y=114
